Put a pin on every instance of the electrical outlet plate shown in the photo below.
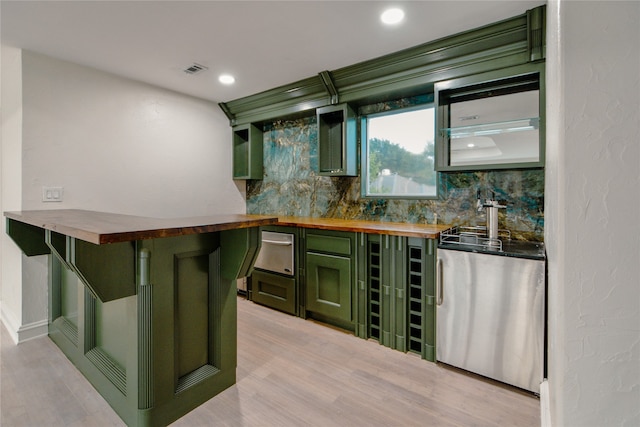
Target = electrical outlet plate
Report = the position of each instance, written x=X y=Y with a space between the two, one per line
x=52 y=194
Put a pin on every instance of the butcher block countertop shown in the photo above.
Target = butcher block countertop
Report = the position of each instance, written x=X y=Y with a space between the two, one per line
x=425 y=231
x=103 y=227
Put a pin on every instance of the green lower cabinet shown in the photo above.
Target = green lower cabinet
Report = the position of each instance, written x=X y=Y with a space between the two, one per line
x=274 y=290
x=399 y=276
x=171 y=346
x=329 y=285
x=421 y=307
x=387 y=290
x=330 y=277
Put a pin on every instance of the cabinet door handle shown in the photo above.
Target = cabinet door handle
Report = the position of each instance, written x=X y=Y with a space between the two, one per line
x=439 y=290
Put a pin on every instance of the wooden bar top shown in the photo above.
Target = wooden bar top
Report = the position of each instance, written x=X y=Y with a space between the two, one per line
x=102 y=227
x=425 y=231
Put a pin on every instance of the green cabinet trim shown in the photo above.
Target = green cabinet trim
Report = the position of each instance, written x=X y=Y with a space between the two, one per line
x=507 y=43
x=329 y=279
x=275 y=291
x=247 y=152
x=107 y=270
x=337 y=143
x=497 y=81
x=29 y=238
x=329 y=243
x=240 y=250
x=329 y=285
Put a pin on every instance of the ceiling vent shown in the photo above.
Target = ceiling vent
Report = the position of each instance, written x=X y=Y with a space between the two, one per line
x=195 y=69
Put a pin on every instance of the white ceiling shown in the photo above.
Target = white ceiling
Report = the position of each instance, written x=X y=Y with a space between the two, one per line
x=264 y=44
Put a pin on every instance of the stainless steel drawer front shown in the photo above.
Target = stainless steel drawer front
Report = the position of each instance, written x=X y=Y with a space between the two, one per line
x=276 y=253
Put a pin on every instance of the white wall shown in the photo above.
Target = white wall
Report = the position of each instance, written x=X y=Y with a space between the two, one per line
x=592 y=212
x=115 y=145
x=11 y=182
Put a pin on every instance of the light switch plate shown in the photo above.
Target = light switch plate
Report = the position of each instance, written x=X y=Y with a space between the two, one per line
x=52 y=194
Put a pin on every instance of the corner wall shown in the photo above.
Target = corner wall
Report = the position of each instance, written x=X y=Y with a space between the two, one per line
x=114 y=145
x=591 y=213
x=11 y=182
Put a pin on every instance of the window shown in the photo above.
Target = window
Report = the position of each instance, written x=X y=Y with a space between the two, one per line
x=398 y=154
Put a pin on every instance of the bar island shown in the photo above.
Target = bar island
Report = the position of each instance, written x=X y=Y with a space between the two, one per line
x=144 y=307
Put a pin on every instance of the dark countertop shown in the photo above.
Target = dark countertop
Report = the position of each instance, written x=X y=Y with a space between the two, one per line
x=511 y=248
x=102 y=227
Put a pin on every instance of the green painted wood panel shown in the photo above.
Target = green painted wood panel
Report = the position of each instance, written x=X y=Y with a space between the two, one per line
x=329 y=285
x=30 y=239
x=274 y=291
x=192 y=311
x=247 y=152
x=109 y=323
x=330 y=242
x=337 y=144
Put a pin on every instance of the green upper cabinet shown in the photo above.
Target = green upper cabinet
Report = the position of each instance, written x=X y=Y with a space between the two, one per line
x=492 y=120
x=247 y=152
x=337 y=144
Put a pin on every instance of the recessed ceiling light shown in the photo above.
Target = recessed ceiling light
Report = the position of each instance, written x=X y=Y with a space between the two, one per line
x=226 y=79
x=392 y=16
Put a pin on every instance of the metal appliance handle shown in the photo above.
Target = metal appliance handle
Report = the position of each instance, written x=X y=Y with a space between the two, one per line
x=277 y=242
x=439 y=290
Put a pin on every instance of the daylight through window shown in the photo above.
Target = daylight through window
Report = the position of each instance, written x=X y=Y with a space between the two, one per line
x=400 y=154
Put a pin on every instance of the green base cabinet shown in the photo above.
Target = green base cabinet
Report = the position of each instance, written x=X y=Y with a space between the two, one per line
x=274 y=290
x=169 y=347
x=421 y=264
x=330 y=277
x=398 y=274
x=386 y=282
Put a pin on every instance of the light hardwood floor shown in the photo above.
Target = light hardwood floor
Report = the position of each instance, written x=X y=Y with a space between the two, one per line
x=291 y=372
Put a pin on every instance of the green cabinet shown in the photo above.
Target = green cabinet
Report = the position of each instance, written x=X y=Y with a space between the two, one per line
x=421 y=304
x=330 y=276
x=274 y=290
x=493 y=120
x=386 y=280
x=247 y=152
x=398 y=274
x=337 y=144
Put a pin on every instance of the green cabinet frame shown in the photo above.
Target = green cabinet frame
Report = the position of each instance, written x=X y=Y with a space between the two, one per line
x=275 y=291
x=337 y=143
x=481 y=85
x=330 y=277
x=247 y=152
x=398 y=274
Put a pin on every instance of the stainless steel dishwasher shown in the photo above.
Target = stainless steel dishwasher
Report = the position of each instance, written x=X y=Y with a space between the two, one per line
x=491 y=310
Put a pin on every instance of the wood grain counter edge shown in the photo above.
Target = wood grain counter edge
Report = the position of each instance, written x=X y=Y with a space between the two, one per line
x=425 y=231
x=103 y=227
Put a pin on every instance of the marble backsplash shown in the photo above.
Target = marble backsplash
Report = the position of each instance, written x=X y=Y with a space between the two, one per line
x=292 y=187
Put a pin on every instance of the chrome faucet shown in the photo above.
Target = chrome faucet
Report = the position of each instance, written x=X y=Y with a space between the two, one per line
x=491 y=205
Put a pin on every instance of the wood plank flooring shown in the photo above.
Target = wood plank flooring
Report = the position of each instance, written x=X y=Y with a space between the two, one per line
x=291 y=372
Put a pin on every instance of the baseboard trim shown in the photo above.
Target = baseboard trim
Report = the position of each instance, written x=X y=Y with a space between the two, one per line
x=545 y=412
x=20 y=334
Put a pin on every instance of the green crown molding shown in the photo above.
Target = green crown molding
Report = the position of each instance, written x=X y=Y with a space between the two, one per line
x=507 y=43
